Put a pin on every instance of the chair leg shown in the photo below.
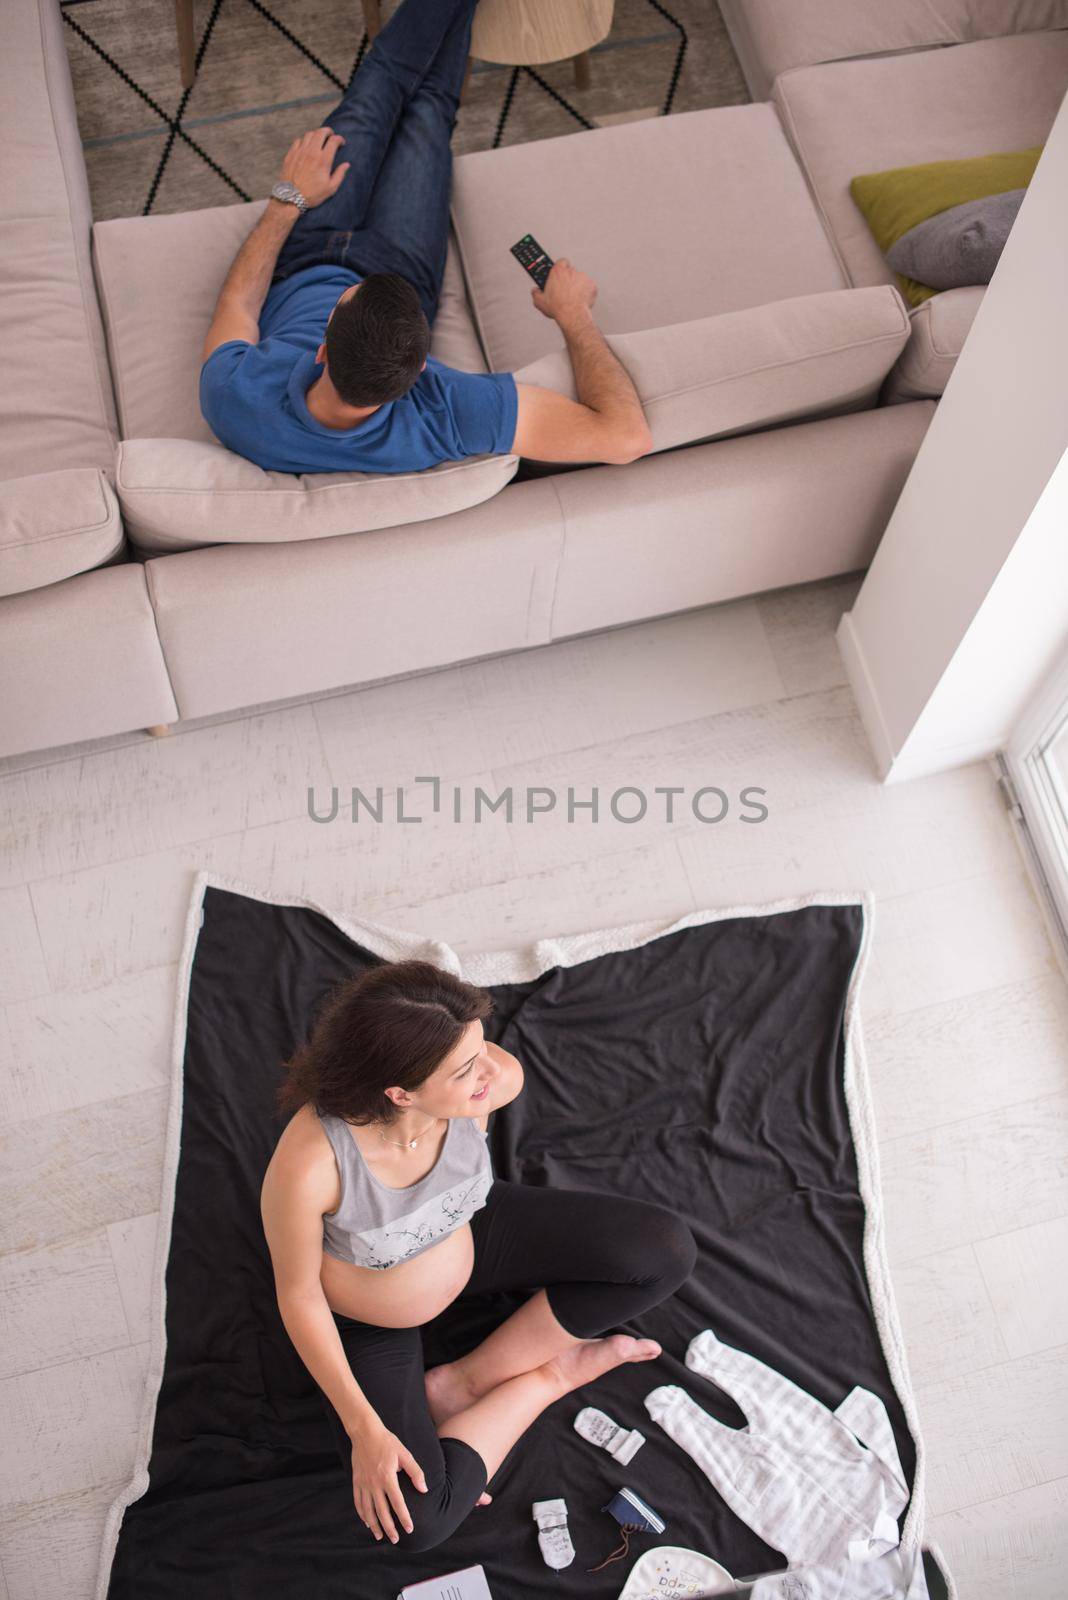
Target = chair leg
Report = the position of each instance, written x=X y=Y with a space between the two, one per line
x=582 y=70
x=159 y=730
x=372 y=17
x=187 y=48
x=467 y=79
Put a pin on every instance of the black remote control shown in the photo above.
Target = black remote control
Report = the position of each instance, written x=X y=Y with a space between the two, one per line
x=530 y=255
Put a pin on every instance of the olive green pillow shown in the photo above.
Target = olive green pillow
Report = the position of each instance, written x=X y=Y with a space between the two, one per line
x=895 y=201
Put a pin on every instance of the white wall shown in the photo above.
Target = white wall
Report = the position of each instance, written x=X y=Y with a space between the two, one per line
x=964 y=608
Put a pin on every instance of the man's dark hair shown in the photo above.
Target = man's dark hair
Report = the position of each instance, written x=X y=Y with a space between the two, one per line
x=376 y=341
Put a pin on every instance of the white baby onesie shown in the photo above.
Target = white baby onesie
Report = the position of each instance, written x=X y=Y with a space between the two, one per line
x=885 y=1577
x=796 y=1474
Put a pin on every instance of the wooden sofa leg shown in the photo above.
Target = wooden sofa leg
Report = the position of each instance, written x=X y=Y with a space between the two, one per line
x=187 y=46
x=159 y=730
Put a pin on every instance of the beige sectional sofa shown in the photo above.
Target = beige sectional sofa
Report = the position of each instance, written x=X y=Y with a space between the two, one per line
x=148 y=575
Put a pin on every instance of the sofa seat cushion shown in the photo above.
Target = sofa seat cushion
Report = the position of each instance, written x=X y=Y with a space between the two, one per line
x=783 y=506
x=246 y=626
x=159 y=278
x=749 y=369
x=771 y=36
x=81 y=660
x=854 y=117
x=937 y=331
x=178 y=494
x=677 y=218
x=54 y=525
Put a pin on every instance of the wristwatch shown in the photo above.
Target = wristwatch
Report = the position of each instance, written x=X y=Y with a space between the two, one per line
x=289 y=192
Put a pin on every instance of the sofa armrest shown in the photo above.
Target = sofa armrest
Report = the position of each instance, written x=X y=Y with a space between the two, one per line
x=742 y=370
x=939 y=328
x=54 y=525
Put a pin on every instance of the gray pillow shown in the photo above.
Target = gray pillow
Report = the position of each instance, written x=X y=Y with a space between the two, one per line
x=960 y=246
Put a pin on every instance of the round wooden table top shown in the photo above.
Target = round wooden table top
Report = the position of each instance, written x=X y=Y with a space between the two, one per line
x=522 y=33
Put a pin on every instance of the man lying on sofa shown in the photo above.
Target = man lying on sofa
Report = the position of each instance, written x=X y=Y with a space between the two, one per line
x=317 y=356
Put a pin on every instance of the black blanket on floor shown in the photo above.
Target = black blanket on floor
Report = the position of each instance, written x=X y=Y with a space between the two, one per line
x=702 y=1070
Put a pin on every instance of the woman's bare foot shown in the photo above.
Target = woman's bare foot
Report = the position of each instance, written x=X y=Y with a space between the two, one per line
x=447 y=1391
x=594 y=1357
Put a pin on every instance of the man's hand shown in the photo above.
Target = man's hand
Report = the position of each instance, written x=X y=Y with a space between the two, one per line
x=237 y=311
x=308 y=162
x=607 y=422
x=567 y=292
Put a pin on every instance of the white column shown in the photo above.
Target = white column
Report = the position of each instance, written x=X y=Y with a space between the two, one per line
x=964 y=609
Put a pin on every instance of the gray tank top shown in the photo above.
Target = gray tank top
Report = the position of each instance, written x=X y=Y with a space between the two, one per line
x=377 y=1226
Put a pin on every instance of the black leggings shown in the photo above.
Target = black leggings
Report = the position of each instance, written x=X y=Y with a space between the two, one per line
x=602 y=1259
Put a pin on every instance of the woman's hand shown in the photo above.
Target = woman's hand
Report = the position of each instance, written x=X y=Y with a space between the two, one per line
x=377 y=1457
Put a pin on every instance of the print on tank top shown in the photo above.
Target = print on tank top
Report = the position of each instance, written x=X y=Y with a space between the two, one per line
x=377 y=1226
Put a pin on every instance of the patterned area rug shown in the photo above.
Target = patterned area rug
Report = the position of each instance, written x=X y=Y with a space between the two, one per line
x=270 y=69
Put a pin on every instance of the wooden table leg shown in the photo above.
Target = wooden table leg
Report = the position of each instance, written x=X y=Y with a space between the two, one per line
x=187 y=48
x=372 y=17
x=582 y=70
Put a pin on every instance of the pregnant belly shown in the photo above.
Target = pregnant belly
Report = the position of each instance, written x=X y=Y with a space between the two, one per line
x=404 y=1296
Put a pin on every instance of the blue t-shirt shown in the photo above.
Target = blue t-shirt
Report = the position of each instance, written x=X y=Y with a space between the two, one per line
x=252 y=396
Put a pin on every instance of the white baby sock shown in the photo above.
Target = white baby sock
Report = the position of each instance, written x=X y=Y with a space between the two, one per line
x=599 y=1429
x=553 y=1537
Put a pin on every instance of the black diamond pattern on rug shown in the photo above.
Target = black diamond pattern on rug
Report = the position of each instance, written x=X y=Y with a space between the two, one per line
x=77 y=14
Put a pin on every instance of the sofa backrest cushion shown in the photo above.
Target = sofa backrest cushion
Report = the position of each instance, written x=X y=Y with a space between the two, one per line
x=178 y=494
x=56 y=404
x=994 y=19
x=808 y=356
x=938 y=329
x=54 y=525
x=771 y=36
x=159 y=279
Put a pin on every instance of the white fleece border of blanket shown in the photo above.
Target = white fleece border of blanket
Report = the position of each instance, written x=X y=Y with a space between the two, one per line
x=521 y=965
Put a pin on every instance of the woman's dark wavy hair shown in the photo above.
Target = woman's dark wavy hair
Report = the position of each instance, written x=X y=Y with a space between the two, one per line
x=393 y=1023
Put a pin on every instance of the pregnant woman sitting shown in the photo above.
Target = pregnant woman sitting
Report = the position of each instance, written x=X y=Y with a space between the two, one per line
x=380 y=1208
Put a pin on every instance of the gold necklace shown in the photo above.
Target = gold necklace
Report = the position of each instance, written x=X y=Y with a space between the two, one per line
x=408 y=1144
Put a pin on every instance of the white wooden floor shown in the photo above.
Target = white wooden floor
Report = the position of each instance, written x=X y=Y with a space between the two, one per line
x=965 y=1012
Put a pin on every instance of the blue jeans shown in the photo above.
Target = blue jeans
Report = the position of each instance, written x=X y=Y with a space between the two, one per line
x=391 y=212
